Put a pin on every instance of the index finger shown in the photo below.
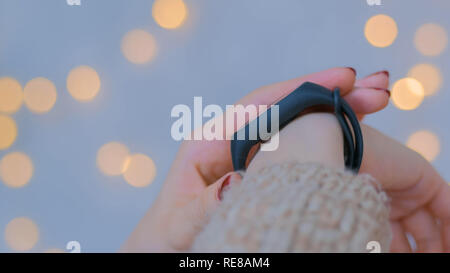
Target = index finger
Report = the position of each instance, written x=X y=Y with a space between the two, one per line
x=212 y=159
x=343 y=77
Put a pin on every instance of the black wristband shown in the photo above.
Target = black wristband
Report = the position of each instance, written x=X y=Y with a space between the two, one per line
x=306 y=96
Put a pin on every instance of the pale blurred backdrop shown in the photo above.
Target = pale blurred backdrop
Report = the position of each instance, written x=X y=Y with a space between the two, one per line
x=86 y=93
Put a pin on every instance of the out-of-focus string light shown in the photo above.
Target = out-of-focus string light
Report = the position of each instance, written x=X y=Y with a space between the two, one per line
x=431 y=39
x=425 y=143
x=141 y=170
x=83 y=83
x=429 y=76
x=16 y=169
x=21 y=234
x=113 y=158
x=381 y=30
x=8 y=131
x=40 y=95
x=169 y=14
x=139 y=46
x=407 y=93
x=11 y=95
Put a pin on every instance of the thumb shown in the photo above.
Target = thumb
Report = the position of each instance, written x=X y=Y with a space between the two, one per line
x=191 y=218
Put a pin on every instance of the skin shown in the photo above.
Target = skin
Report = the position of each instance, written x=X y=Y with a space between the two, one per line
x=420 y=197
x=311 y=138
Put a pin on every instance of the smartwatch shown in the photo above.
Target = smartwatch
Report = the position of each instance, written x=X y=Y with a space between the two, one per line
x=305 y=97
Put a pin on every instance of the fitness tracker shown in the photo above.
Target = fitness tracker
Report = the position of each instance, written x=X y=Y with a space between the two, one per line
x=303 y=98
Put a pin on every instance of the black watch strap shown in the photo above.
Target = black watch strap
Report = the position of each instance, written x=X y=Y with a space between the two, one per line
x=306 y=96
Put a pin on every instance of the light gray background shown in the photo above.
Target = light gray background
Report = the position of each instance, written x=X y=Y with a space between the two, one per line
x=225 y=49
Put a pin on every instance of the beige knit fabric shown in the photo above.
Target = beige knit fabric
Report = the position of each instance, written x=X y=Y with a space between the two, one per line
x=295 y=207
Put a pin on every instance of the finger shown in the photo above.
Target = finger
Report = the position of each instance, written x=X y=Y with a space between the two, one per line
x=440 y=208
x=344 y=78
x=213 y=159
x=367 y=100
x=423 y=227
x=378 y=79
x=190 y=218
x=408 y=178
x=400 y=243
x=378 y=82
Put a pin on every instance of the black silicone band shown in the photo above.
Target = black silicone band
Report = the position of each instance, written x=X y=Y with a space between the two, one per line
x=302 y=98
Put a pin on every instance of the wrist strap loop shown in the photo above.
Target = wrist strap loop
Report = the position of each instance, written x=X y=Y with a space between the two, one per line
x=305 y=96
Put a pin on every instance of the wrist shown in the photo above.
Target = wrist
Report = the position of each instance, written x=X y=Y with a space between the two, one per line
x=314 y=137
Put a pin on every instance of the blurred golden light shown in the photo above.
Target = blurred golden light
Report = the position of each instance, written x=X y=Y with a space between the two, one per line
x=431 y=39
x=407 y=93
x=11 y=95
x=141 y=170
x=40 y=95
x=83 y=83
x=112 y=158
x=429 y=76
x=16 y=169
x=21 y=234
x=138 y=46
x=381 y=30
x=425 y=143
x=8 y=131
x=169 y=13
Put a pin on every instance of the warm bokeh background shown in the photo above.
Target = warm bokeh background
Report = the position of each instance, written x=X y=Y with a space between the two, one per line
x=86 y=93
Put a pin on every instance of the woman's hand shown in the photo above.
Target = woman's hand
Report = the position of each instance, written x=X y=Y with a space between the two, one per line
x=203 y=168
x=420 y=198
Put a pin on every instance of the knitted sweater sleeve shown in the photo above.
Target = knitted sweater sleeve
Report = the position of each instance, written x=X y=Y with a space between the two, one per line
x=293 y=207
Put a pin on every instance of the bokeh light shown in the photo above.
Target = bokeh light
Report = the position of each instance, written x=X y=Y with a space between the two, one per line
x=11 y=95
x=429 y=76
x=431 y=39
x=8 y=132
x=381 y=30
x=83 y=83
x=40 y=95
x=169 y=14
x=16 y=169
x=140 y=171
x=139 y=46
x=113 y=158
x=407 y=93
x=21 y=234
x=425 y=143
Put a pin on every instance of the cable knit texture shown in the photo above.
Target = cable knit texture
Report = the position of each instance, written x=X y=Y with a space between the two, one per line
x=293 y=207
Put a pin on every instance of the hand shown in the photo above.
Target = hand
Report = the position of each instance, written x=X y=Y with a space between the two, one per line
x=202 y=168
x=420 y=198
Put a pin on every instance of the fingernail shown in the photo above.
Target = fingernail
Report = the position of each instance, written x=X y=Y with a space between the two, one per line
x=231 y=179
x=352 y=69
x=224 y=186
x=385 y=72
x=383 y=89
